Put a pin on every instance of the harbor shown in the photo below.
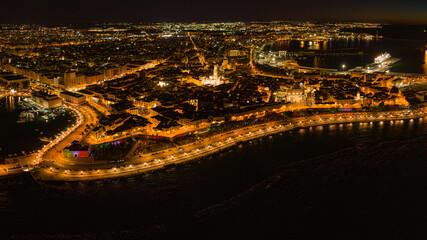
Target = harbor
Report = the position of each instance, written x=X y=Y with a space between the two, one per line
x=382 y=63
x=32 y=109
x=406 y=56
x=26 y=127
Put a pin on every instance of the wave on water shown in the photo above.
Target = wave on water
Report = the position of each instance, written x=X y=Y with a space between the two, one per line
x=380 y=188
x=291 y=183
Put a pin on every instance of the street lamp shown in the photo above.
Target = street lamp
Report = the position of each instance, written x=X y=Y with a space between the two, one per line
x=343 y=67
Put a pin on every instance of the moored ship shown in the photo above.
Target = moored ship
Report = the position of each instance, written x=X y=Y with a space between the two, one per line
x=382 y=63
x=382 y=58
x=25 y=117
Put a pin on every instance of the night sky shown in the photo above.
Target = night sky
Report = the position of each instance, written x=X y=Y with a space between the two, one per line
x=82 y=11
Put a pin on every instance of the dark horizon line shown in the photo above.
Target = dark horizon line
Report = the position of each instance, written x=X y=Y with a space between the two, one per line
x=216 y=21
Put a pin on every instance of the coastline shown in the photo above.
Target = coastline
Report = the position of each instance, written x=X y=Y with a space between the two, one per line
x=21 y=140
x=19 y=165
x=221 y=141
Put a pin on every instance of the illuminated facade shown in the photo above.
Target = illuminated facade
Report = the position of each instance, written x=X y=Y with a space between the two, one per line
x=213 y=80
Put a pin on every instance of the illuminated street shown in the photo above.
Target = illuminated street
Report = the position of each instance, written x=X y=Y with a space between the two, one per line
x=69 y=171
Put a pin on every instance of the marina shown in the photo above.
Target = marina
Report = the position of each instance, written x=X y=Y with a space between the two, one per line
x=32 y=108
x=25 y=117
x=26 y=127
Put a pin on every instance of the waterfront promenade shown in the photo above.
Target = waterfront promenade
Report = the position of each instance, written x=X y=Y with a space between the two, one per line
x=52 y=150
x=210 y=145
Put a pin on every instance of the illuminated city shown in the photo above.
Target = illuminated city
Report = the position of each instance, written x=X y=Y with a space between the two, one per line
x=156 y=105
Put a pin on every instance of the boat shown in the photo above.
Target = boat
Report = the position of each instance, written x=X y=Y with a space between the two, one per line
x=44 y=139
x=21 y=121
x=382 y=63
x=25 y=117
x=382 y=58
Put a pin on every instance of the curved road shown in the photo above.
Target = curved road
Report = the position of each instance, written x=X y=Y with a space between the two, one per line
x=196 y=150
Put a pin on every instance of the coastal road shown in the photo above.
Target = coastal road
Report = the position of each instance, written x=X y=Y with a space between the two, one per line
x=53 y=156
x=52 y=150
x=207 y=146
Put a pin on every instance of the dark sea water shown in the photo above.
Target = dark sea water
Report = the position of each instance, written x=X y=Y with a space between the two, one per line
x=331 y=182
x=337 y=182
x=16 y=137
